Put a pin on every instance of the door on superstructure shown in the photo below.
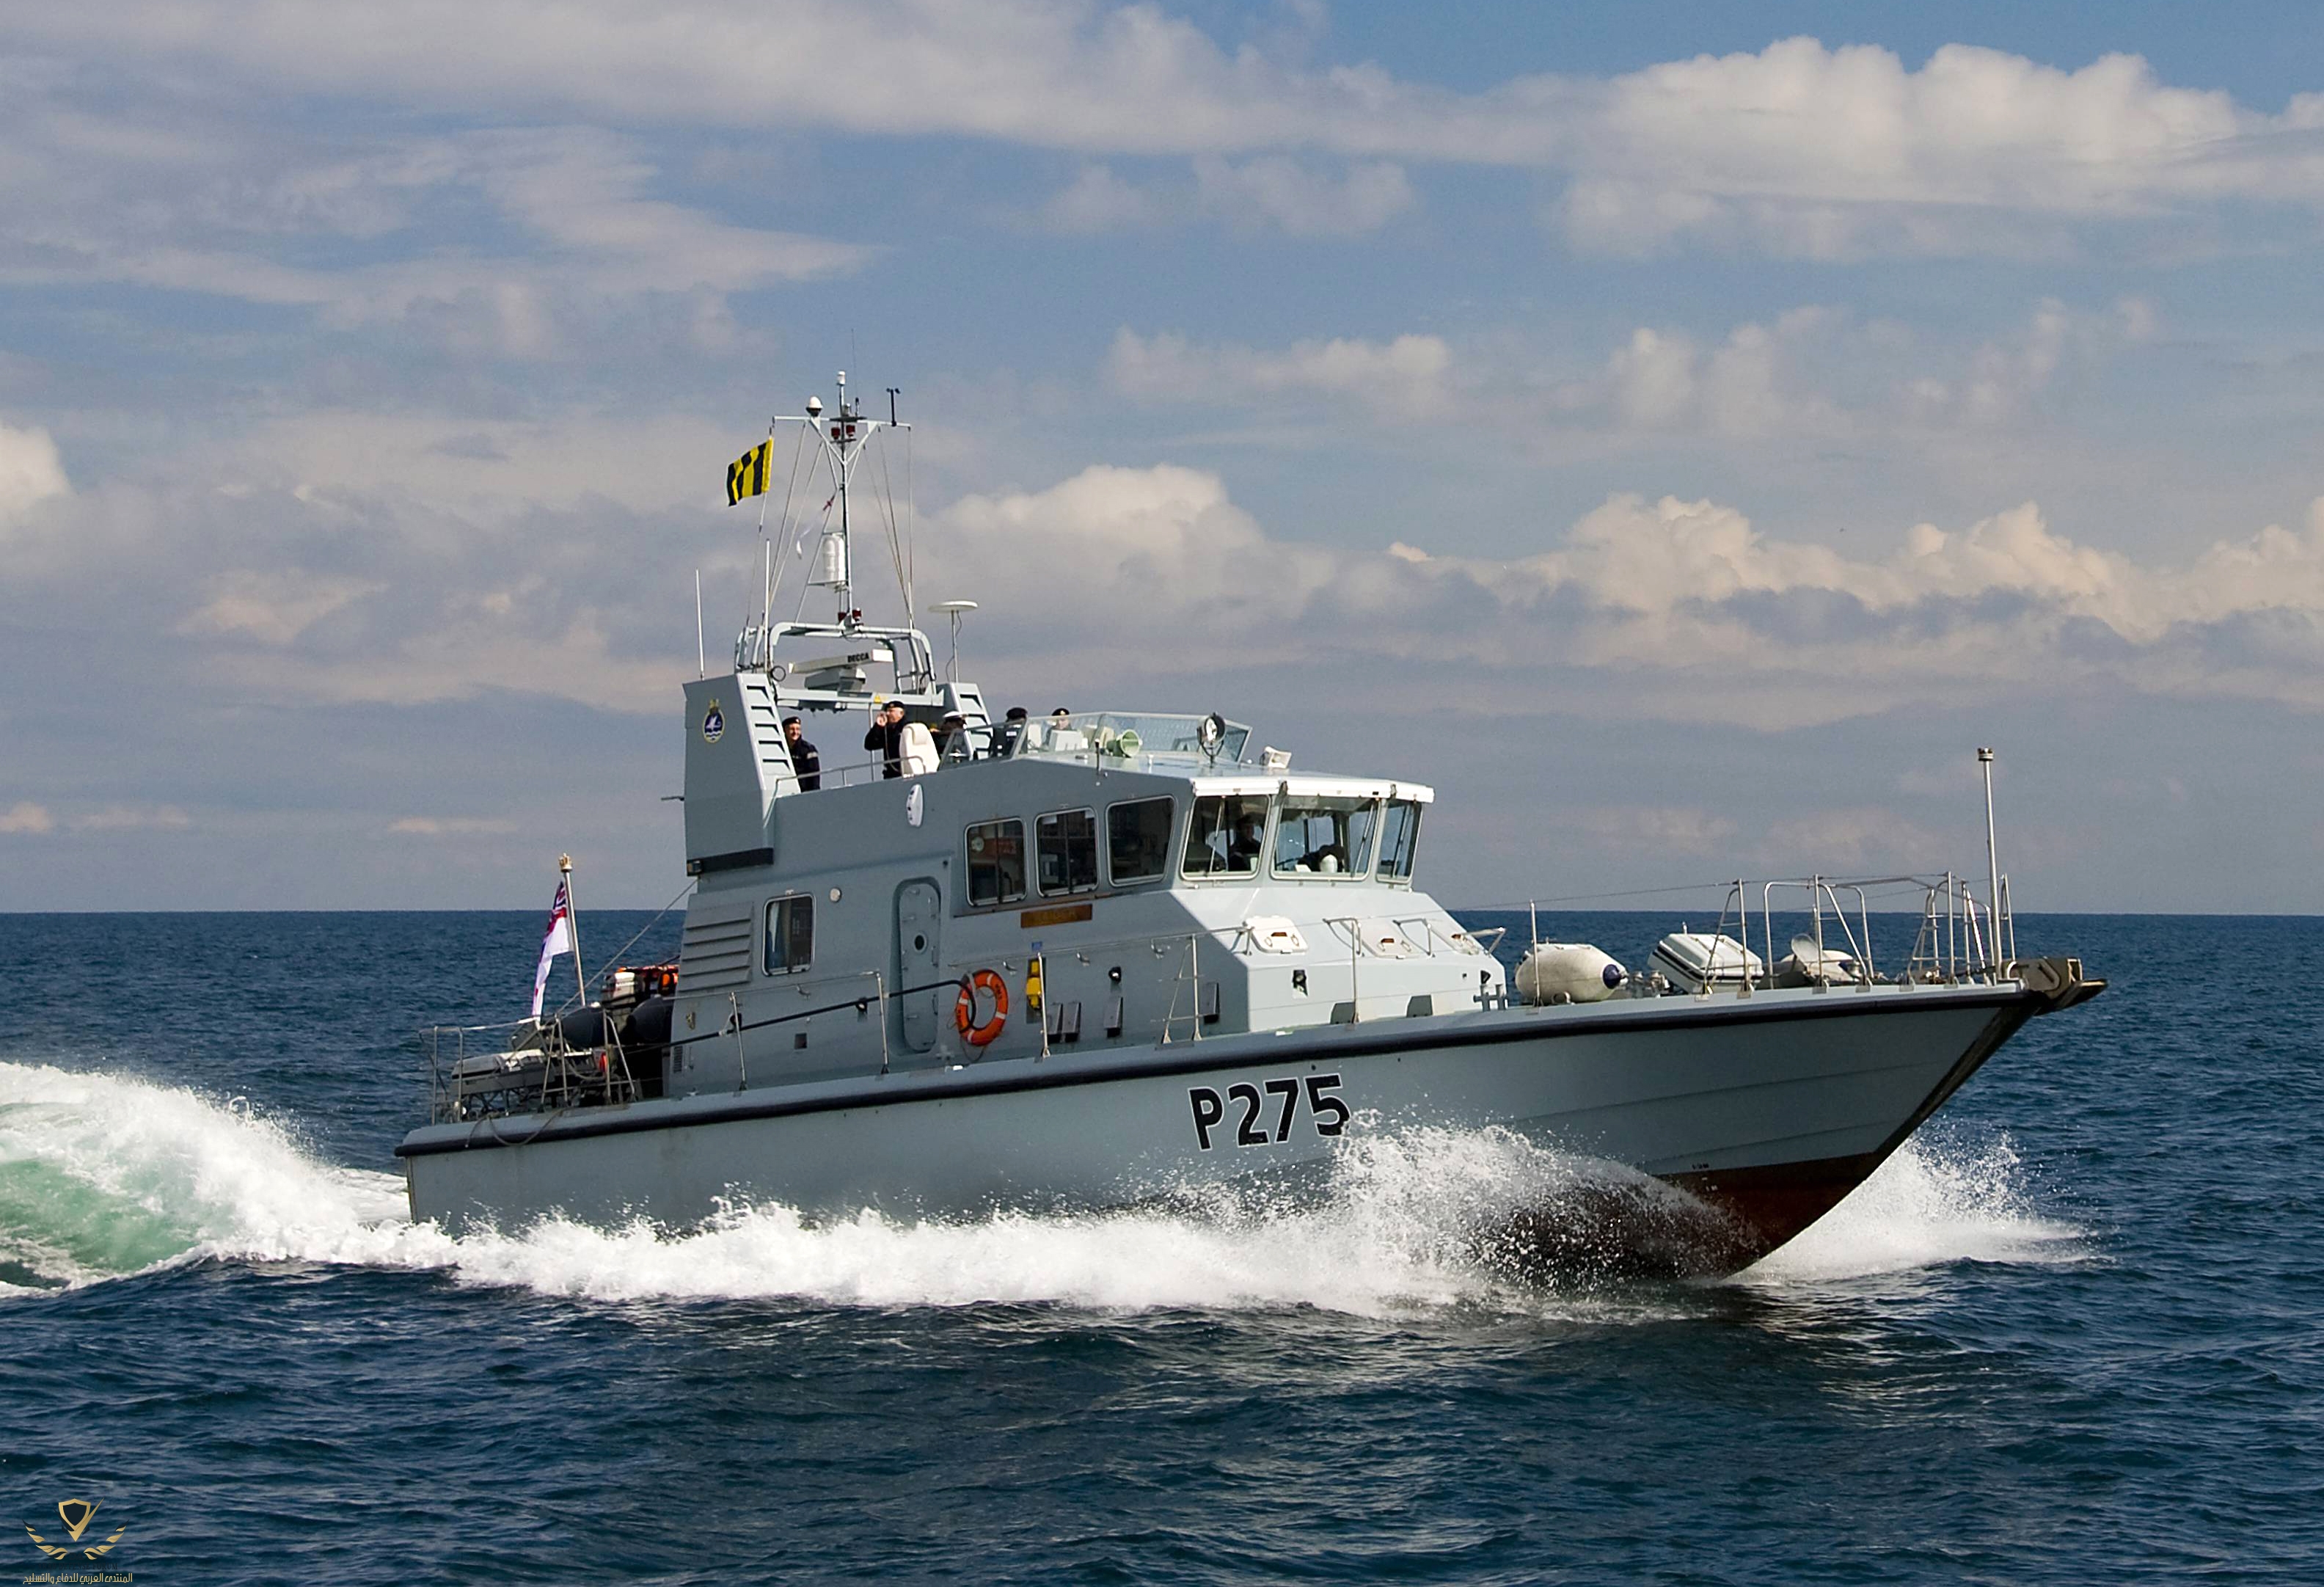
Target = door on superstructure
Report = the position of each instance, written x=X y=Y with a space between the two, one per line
x=919 y=1003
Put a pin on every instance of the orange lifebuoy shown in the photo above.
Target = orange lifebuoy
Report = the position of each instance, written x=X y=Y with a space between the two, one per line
x=963 y=1011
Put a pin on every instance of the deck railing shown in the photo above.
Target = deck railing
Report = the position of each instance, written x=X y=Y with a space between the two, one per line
x=1115 y=740
x=478 y=1079
x=1959 y=941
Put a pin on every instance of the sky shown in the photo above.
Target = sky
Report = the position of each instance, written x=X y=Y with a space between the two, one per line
x=1681 y=434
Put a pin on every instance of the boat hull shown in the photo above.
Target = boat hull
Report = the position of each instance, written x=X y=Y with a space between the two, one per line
x=1764 y=1111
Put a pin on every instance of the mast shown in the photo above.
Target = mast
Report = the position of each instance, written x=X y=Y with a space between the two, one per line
x=844 y=435
x=847 y=550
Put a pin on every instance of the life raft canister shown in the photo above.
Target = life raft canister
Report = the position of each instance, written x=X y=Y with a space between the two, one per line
x=963 y=1010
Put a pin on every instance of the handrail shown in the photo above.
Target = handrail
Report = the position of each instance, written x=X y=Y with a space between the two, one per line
x=467 y=1030
x=558 y=1082
x=1227 y=935
x=1454 y=942
x=1102 y=753
x=855 y=773
x=1190 y=969
x=1819 y=890
x=1962 y=937
x=738 y=1025
x=754 y=648
x=1965 y=941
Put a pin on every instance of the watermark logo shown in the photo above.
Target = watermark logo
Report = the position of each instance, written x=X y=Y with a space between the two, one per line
x=76 y=1514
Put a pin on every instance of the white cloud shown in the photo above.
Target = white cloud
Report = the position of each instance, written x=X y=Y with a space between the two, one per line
x=1662 y=559
x=1167 y=531
x=461 y=654
x=1277 y=191
x=131 y=819
x=1270 y=192
x=218 y=207
x=1658 y=829
x=1098 y=200
x=487 y=470
x=1686 y=608
x=1815 y=371
x=1837 y=153
x=406 y=558
x=401 y=558
x=1797 y=149
x=583 y=191
x=273 y=608
x=1692 y=587
x=1391 y=378
x=25 y=816
x=449 y=826
x=30 y=470
x=2005 y=376
x=1053 y=73
x=1854 y=838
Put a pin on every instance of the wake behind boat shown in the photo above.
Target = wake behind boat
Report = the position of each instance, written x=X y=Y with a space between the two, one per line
x=1087 y=960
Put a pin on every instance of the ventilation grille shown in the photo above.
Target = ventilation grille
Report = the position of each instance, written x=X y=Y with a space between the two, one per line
x=716 y=952
x=767 y=733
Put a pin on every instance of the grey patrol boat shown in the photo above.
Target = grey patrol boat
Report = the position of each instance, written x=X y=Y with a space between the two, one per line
x=1078 y=963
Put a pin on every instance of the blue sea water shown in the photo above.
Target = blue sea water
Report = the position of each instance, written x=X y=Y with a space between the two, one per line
x=2074 y=1333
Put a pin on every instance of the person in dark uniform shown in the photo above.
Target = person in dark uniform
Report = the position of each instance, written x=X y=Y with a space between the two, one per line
x=887 y=736
x=805 y=760
x=1242 y=849
x=1012 y=733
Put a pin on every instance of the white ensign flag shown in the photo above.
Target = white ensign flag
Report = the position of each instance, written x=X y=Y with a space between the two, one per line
x=558 y=939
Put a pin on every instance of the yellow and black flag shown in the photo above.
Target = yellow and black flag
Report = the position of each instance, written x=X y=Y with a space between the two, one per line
x=747 y=474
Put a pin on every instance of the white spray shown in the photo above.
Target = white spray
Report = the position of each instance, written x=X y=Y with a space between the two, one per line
x=130 y=1175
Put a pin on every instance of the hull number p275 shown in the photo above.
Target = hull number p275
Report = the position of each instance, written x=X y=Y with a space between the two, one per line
x=1265 y=1113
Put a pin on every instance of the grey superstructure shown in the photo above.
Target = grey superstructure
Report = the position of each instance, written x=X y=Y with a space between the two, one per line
x=1081 y=962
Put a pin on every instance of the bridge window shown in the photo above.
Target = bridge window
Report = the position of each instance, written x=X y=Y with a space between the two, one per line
x=1325 y=837
x=790 y=935
x=1136 y=840
x=1067 y=851
x=1226 y=834
x=1399 y=831
x=996 y=863
x=1320 y=837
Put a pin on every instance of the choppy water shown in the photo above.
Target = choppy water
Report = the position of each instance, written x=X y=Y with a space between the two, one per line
x=2073 y=1334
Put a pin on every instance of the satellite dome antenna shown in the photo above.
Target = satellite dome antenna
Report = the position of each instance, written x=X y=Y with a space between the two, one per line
x=952 y=609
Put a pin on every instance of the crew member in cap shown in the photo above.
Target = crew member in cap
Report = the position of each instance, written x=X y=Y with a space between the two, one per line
x=805 y=760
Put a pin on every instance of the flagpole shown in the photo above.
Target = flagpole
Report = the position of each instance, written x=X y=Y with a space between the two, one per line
x=573 y=923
